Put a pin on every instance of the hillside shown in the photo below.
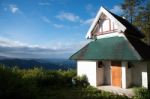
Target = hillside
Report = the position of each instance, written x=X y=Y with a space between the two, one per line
x=52 y=64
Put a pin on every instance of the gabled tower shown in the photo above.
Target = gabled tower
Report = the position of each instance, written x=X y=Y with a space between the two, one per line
x=109 y=23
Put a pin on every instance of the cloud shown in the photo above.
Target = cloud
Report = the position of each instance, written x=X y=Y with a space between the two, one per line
x=73 y=18
x=58 y=25
x=117 y=9
x=68 y=16
x=17 y=49
x=44 y=3
x=14 y=9
x=8 y=43
x=46 y=19
x=88 y=21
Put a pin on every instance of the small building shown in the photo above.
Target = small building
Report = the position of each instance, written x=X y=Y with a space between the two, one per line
x=116 y=55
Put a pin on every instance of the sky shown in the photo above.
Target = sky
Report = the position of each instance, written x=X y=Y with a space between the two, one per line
x=47 y=28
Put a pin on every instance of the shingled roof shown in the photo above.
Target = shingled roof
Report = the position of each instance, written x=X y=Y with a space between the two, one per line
x=114 y=48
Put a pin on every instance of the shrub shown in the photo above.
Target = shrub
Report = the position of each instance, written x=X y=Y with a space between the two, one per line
x=80 y=81
x=38 y=83
x=66 y=77
x=12 y=86
x=141 y=93
x=54 y=78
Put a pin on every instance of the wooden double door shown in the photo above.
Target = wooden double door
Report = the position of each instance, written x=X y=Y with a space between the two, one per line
x=116 y=74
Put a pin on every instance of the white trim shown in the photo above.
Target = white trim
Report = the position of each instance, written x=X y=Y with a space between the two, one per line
x=124 y=82
x=108 y=14
x=94 y=23
x=110 y=73
x=110 y=35
x=144 y=79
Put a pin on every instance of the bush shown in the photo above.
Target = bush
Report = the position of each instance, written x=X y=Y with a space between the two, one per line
x=34 y=83
x=12 y=86
x=141 y=93
x=56 y=78
x=38 y=83
x=80 y=81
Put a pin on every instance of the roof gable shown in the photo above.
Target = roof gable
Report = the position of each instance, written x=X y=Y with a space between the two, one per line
x=123 y=25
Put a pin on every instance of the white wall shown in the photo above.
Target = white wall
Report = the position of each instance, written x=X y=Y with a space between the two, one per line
x=103 y=75
x=136 y=75
x=139 y=74
x=126 y=75
x=124 y=80
x=107 y=72
x=99 y=75
x=96 y=76
x=87 y=68
x=113 y=25
x=105 y=25
x=148 y=73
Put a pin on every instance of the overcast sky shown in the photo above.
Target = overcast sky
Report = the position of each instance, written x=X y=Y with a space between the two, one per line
x=47 y=28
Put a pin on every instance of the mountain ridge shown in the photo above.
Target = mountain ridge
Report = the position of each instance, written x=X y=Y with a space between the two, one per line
x=52 y=64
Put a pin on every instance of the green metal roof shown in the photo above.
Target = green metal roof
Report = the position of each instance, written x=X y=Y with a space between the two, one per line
x=112 y=48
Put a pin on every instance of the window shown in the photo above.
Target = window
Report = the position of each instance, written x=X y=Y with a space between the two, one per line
x=130 y=65
x=100 y=64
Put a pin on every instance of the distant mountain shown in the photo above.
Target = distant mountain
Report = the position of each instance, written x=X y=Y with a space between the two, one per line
x=53 y=64
x=60 y=62
x=2 y=57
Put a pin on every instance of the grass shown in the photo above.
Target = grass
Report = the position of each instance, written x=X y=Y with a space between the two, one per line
x=38 y=83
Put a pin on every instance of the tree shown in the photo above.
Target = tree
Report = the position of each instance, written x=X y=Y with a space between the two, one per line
x=130 y=8
x=142 y=20
x=138 y=13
